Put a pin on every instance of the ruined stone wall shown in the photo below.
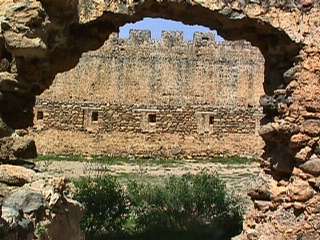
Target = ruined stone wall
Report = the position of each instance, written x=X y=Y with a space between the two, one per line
x=171 y=71
x=84 y=116
x=189 y=131
x=139 y=87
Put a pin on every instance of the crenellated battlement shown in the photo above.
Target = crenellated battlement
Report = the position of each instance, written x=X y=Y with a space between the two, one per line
x=171 y=39
x=137 y=36
x=201 y=39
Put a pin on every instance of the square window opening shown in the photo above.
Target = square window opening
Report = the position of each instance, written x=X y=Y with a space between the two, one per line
x=152 y=118
x=94 y=116
x=211 y=120
x=40 y=115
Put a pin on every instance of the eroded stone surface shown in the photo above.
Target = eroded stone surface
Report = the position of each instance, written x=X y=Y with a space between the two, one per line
x=16 y=175
x=41 y=204
x=13 y=148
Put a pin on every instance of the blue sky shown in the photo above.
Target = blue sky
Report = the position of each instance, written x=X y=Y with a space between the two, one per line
x=156 y=25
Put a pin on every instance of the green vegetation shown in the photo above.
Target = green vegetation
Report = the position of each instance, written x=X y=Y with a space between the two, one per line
x=60 y=158
x=187 y=207
x=105 y=203
x=41 y=232
x=145 y=161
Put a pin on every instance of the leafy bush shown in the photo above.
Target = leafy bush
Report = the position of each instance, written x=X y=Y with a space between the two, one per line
x=187 y=207
x=105 y=203
x=198 y=205
x=41 y=232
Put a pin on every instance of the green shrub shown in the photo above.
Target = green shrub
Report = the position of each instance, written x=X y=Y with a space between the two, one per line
x=41 y=232
x=105 y=204
x=187 y=207
x=198 y=205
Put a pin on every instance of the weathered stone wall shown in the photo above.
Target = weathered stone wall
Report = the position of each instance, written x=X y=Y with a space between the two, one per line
x=193 y=131
x=199 y=89
x=170 y=71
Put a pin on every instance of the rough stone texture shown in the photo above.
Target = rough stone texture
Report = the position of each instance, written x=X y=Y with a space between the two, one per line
x=16 y=225
x=16 y=175
x=126 y=129
x=169 y=71
x=201 y=93
x=13 y=148
x=42 y=204
x=312 y=165
x=46 y=37
x=26 y=201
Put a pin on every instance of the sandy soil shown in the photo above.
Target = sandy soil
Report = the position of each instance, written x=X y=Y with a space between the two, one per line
x=237 y=177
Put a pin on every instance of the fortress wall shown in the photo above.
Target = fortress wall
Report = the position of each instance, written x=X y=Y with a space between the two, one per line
x=192 y=131
x=186 y=120
x=171 y=71
x=141 y=96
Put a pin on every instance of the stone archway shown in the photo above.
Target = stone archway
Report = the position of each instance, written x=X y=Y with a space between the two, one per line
x=41 y=38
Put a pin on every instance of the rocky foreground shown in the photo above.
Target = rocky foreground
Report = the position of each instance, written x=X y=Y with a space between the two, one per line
x=33 y=206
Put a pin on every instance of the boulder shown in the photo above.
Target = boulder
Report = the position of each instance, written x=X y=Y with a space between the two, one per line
x=268 y=130
x=303 y=154
x=269 y=104
x=299 y=140
x=68 y=218
x=300 y=190
x=20 y=42
x=26 y=200
x=61 y=211
x=25 y=148
x=311 y=166
x=260 y=194
x=16 y=175
x=42 y=205
x=311 y=127
x=313 y=205
x=13 y=148
x=262 y=205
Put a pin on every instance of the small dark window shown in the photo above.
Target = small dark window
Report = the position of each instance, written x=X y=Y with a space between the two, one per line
x=39 y=115
x=211 y=120
x=152 y=118
x=94 y=116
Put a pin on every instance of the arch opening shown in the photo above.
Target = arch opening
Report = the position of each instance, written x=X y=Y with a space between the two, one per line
x=86 y=29
x=276 y=46
x=166 y=92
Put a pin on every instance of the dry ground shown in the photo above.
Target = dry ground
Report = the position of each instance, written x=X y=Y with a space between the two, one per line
x=238 y=177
